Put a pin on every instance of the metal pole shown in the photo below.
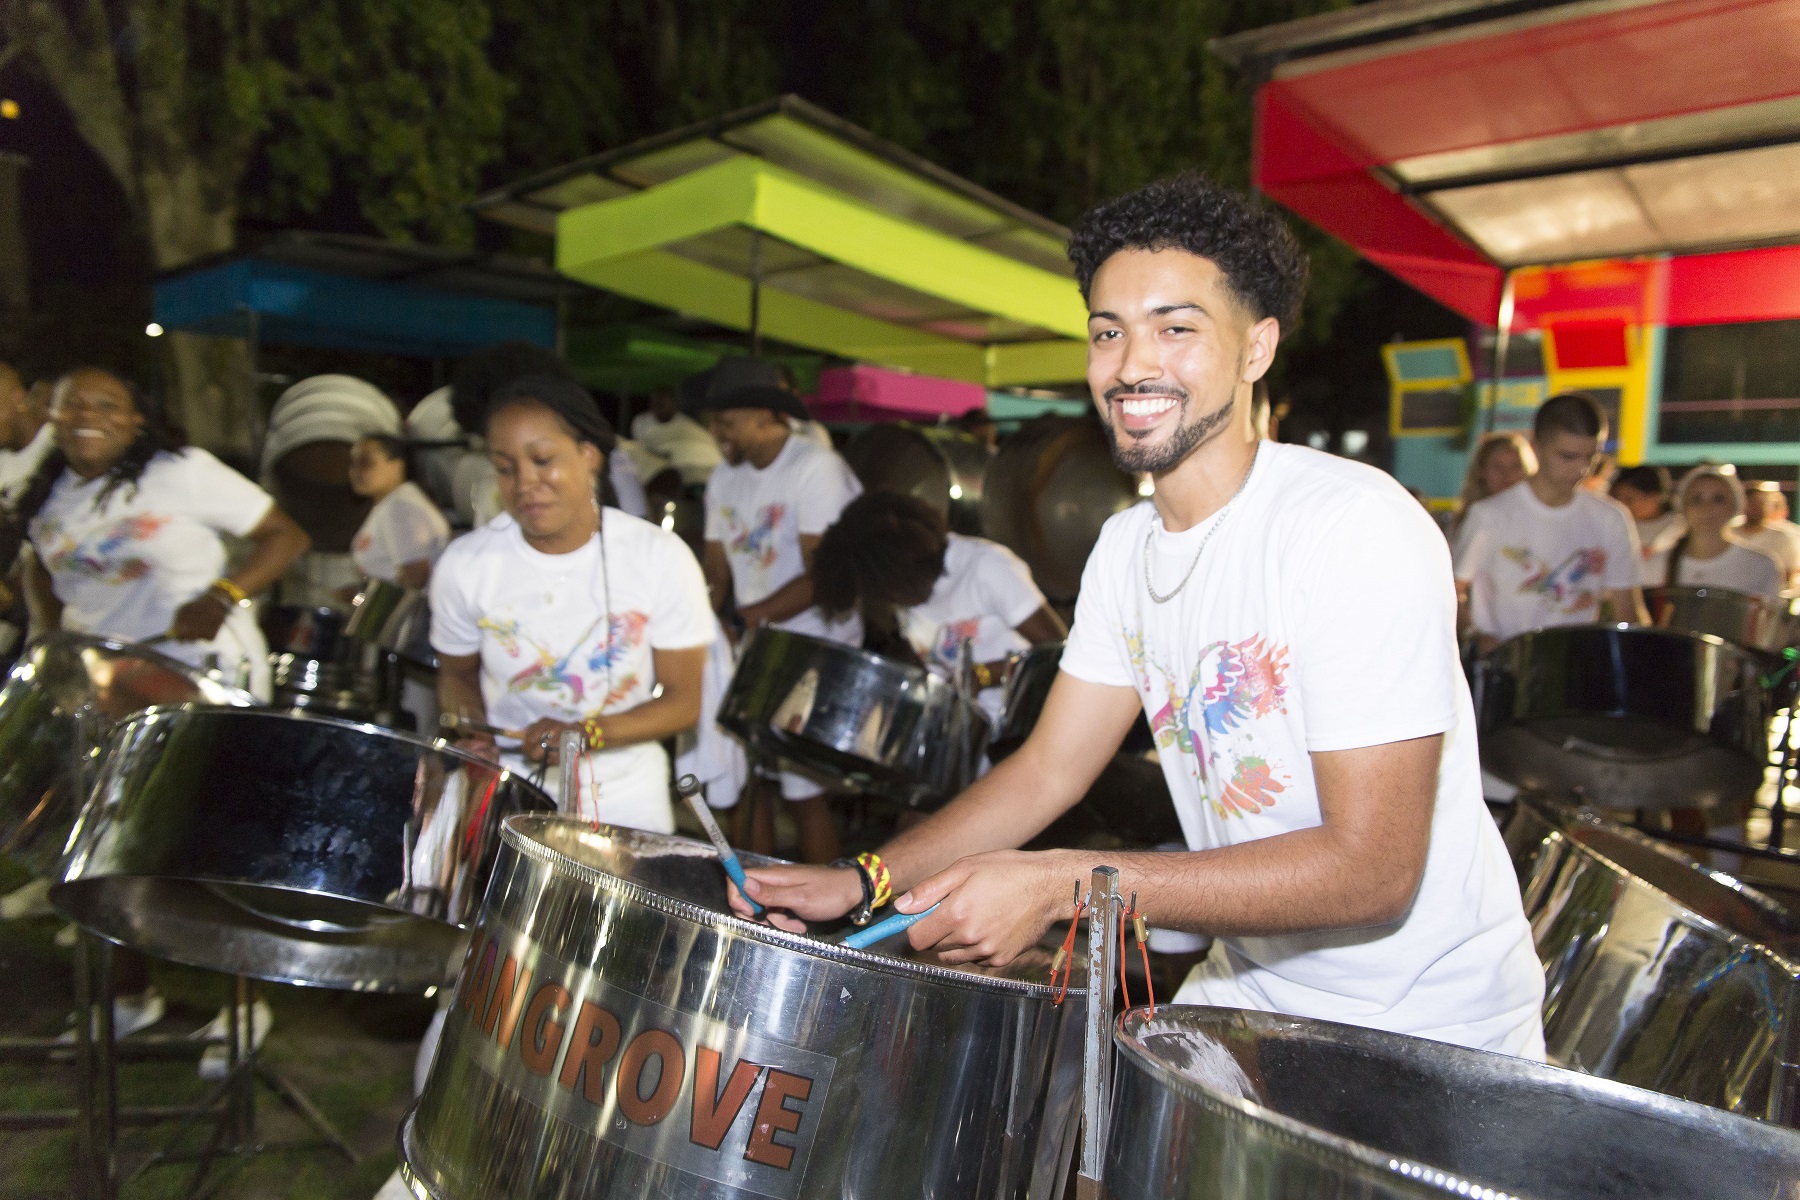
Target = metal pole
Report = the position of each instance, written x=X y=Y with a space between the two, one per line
x=568 y=755
x=756 y=293
x=1502 y=336
x=1096 y=1092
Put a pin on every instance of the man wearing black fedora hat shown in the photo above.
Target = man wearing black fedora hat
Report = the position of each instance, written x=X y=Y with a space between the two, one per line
x=766 y=506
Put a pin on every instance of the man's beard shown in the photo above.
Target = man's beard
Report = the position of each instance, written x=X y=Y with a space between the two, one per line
x=1135 y=456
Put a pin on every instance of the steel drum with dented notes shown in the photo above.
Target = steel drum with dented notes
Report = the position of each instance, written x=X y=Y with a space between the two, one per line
x=1752 y=621
x=616 y=1033
x=1658 y=971
x=1629 y=717
x=293 y=848
x=943 y=467
x=61 y=698
x=1225 y=1104
x=887 y=726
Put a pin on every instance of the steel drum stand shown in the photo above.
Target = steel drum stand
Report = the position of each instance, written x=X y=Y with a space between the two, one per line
x=231 y=1105
x=1103 y=906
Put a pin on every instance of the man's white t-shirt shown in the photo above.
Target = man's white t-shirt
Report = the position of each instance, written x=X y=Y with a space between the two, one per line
x=1657 y=536
x=566 y=636
x=18 y=466
x=984 y=594
x=403 y=527
x=1740 y=568
x=682 y=440
x=759 y=515
x=1530 y=566
x=122 y=566
x=1780 y=540
x=1321 y=617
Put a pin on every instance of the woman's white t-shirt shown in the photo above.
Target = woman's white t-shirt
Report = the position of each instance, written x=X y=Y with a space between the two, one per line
x=124 y=564
x=566 y=636
x=1322 y=616
x=984 y=594
x=1740 y=568
x=403 y=527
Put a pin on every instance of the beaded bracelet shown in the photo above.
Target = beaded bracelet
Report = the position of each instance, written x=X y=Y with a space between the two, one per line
x=877 y=872
x=596 y=736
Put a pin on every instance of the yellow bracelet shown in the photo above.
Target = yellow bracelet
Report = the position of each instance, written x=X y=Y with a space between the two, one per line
x=596 y=736
x=231 y=589
x=878 y=875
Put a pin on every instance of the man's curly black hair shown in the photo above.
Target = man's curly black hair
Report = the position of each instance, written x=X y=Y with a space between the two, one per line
x=1262 y=262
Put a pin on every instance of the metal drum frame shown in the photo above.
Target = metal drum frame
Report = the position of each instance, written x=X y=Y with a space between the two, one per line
x=291 y=848
x=616 y=1034
x=885 y=725
x=1658 y=972
x=60 y=699
x=315 y=663
x=1224 y=1104
x=1629 y=717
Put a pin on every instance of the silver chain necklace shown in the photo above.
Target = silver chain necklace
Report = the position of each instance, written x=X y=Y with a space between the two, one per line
x=1201 y=549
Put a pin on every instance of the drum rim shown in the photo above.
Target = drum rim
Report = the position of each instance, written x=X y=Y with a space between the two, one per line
x=512 y=832
x=240 y=699
x=915 y=673
x=1129 y=1026
x=1551 y=810
x=1558 y=631
x=436 y=745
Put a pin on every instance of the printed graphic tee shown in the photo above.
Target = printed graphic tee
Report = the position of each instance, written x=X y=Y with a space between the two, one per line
x=1531 y=566
x=569 y=635
x=18 y=466
x=1321 y=617
x=759 y=516
x=403 y=527
x=1656 y=536
x=1739 y=569
x=985 y=592
x=122 y=565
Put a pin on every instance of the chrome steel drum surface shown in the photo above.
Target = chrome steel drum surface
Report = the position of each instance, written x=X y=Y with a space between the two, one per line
x=1739 y=618
x=1050 y=488
x=615 y=1034
x=1658 y=972
x=1628 y=717
x=61 y=698
x=885 y=725
x=292 y=848
x=1027 y=687
x=943 y=467
x=394 y=618
x=1223 y=1104
x=315 y=663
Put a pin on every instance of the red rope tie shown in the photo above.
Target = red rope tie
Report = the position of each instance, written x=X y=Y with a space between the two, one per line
x=480 y=811
x=1065 y=957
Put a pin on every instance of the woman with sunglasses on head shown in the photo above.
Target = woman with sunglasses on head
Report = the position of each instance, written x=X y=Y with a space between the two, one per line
x=1709 y=499
x=559 y=615
x=128 y=533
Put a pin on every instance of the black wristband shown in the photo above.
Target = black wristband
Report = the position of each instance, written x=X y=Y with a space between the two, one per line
x=861 y=914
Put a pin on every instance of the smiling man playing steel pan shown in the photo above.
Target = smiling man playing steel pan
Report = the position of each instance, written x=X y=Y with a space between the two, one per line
x=1288 y=621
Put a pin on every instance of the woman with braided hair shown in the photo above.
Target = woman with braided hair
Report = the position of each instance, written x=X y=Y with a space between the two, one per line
x=127 y=528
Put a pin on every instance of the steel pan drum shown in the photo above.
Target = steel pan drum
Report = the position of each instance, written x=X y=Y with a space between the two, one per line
x=1231 y=1105
x=1742 y=619
x=943 y=467
x=315 y=663
x=291 y=848
x=60 y=700
x=1628 y=717
x=615 y=1034
x=885 y=725
x=1027 y=688
x=1658 y=972
x=1050 y=488
x=396 y=619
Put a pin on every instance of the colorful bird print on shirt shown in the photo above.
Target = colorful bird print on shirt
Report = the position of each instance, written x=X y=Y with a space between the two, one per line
x=1562 y=584
x=756 y=541
x=547 y=672
x=105 y=558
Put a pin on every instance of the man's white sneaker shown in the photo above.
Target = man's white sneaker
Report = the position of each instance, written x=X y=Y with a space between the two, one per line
x=131 y=1014
x=215 y=1061
x=32 y=900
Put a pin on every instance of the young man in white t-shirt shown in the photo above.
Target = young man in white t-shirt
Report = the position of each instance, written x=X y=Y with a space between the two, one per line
x=766 y=506
x=1287 y=621
x=1548 y=551
x=1765 y=527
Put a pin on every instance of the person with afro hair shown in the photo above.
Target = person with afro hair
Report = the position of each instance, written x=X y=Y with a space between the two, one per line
x=1286 y=620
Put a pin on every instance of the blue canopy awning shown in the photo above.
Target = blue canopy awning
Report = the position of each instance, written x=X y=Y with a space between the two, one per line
x=306 y=306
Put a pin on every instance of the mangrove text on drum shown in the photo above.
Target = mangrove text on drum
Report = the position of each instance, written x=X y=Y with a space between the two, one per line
x=666 y=1084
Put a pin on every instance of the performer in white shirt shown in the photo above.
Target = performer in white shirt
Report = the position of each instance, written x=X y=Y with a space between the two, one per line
x=667 y=431
x=1500 y=460
x=766 y=507
x=1287 y=620
x=1550 y=551
x=404 y=532
x=1644 y=490
x=562 y=615
x=25 y=439
x=1765 y=527
x=940 y=595
x=1709 y=553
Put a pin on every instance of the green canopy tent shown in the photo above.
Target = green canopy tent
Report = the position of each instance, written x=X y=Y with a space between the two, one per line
x=784 y=221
